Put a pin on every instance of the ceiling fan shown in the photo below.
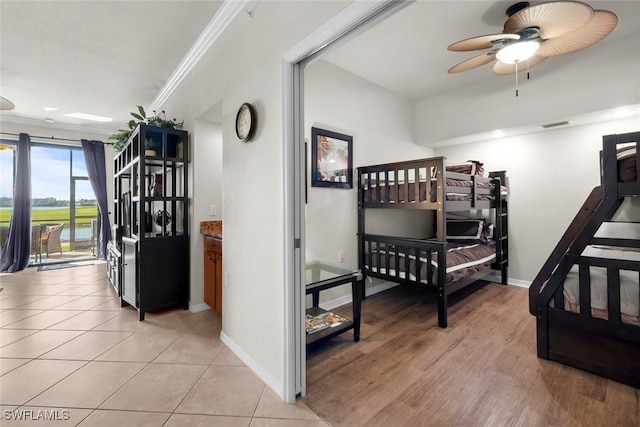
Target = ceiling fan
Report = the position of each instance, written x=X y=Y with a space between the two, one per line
x=531 y=34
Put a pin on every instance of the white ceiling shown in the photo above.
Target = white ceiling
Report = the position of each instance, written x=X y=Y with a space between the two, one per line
x=407 y=53
x=106 y=57
x=97 y=57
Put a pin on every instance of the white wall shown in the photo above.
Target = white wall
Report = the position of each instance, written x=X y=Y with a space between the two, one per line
x=244 y=65
x=381 y=124
x=587 y=83
x=205 y=189
x=551 y=173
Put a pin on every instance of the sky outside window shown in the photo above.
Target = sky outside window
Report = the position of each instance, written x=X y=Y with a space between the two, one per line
x=50 y=172
x=6 y=170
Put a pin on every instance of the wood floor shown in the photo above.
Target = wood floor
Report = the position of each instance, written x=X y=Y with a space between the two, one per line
x=480 y=371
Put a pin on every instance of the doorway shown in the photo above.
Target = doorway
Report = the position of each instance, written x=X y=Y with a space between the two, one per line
x=352 y=21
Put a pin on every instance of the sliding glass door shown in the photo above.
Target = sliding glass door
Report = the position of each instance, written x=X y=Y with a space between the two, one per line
x=63 y=205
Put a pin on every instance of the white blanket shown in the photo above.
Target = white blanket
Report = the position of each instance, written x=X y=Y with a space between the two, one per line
x=629 y=285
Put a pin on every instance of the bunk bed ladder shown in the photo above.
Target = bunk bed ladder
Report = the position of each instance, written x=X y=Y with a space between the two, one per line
x=604 y=211
x=501 y=235
x=560 y=251
x=587 y=225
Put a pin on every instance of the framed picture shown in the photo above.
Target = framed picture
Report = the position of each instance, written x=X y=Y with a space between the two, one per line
x=331 y=159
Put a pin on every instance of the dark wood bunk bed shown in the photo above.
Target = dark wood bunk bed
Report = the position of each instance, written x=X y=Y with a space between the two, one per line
x=585 y=297
x=438 y=191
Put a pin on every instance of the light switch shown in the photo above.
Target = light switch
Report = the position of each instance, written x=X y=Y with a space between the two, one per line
x=213 y=210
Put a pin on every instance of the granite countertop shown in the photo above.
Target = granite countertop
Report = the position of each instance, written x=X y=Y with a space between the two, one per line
x=211 y=228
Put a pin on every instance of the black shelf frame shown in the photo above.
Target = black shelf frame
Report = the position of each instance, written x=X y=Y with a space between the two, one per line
x=154 y=256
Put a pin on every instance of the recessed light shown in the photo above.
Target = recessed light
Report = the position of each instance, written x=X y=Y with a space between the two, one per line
x=498 y=133
x=50 y=109
x=622 y=112
x=49 y=120
x=91 y=117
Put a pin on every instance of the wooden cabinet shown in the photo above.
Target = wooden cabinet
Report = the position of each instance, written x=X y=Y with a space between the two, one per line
x=213 y=273
x=151 y=211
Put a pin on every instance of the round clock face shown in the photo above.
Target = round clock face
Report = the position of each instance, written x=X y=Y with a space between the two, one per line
x=245 y=122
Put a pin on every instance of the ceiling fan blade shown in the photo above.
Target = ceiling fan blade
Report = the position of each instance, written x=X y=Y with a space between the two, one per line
x=600 y=26
x=503 y=69
x=480 y=42
x=473 y=62
x=554 y=19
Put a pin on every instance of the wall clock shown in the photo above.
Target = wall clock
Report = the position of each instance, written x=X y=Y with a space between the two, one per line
x=245 y=122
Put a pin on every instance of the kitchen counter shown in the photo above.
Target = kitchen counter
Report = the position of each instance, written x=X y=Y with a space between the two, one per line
x=211 y=229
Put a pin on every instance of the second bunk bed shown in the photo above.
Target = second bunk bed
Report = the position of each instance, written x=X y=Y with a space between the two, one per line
x=586 y=297
x=466 y=246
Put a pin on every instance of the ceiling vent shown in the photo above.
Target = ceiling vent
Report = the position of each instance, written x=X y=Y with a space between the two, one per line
x=556 y=124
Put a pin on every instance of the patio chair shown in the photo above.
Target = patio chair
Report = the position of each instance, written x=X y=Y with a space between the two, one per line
x=51 y=238
x=36 y=242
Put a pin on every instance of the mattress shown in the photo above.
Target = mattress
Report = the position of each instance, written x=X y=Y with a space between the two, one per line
x=627 y=162
x=463 y=259
x=394 y=191
x=629 y=286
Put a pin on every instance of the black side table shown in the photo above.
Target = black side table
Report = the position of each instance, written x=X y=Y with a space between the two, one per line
x=321 y=276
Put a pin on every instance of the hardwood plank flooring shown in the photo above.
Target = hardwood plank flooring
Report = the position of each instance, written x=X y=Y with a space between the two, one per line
x=480 y=371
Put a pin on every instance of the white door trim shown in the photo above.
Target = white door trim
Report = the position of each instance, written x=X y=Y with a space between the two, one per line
x=356 y=18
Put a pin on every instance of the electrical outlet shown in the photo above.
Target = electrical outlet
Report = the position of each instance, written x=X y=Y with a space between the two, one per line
x=341 y=256
x=213 y=209
x=226 y=279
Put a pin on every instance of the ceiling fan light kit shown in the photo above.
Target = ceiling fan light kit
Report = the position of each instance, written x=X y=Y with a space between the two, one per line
x=518 y=52
x=531 y=34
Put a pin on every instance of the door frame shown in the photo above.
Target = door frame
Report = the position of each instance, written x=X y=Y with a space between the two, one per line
x=356 y=18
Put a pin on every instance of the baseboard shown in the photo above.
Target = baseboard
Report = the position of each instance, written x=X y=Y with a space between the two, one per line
x=267 y=378
x=346 y=299
x=513 y=282
x=194 y=308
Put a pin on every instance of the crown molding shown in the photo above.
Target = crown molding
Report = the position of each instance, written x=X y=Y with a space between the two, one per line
x=63 y=126
x=221 y=20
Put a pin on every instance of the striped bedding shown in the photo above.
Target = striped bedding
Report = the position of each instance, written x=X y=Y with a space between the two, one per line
x=629 y=287
x=383 y=194
x=463 y=259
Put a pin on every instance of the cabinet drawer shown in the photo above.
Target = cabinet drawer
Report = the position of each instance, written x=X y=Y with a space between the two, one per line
x=212 y=244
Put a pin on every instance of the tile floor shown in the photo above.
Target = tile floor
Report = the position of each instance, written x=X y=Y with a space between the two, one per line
x=70 y=353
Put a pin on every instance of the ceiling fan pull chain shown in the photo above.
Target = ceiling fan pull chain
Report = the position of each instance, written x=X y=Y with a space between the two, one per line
x=528 y=77
x=516 y=78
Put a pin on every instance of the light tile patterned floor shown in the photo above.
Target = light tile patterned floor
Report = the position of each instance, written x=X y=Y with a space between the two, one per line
x=69 y=351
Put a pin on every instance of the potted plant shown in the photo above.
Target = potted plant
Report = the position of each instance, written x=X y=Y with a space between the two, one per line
x=122 y=136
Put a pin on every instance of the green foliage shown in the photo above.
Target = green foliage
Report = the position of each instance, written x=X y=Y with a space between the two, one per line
x=140 y=117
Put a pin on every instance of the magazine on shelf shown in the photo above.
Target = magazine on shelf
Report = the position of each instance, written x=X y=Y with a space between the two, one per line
x=322 y=321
